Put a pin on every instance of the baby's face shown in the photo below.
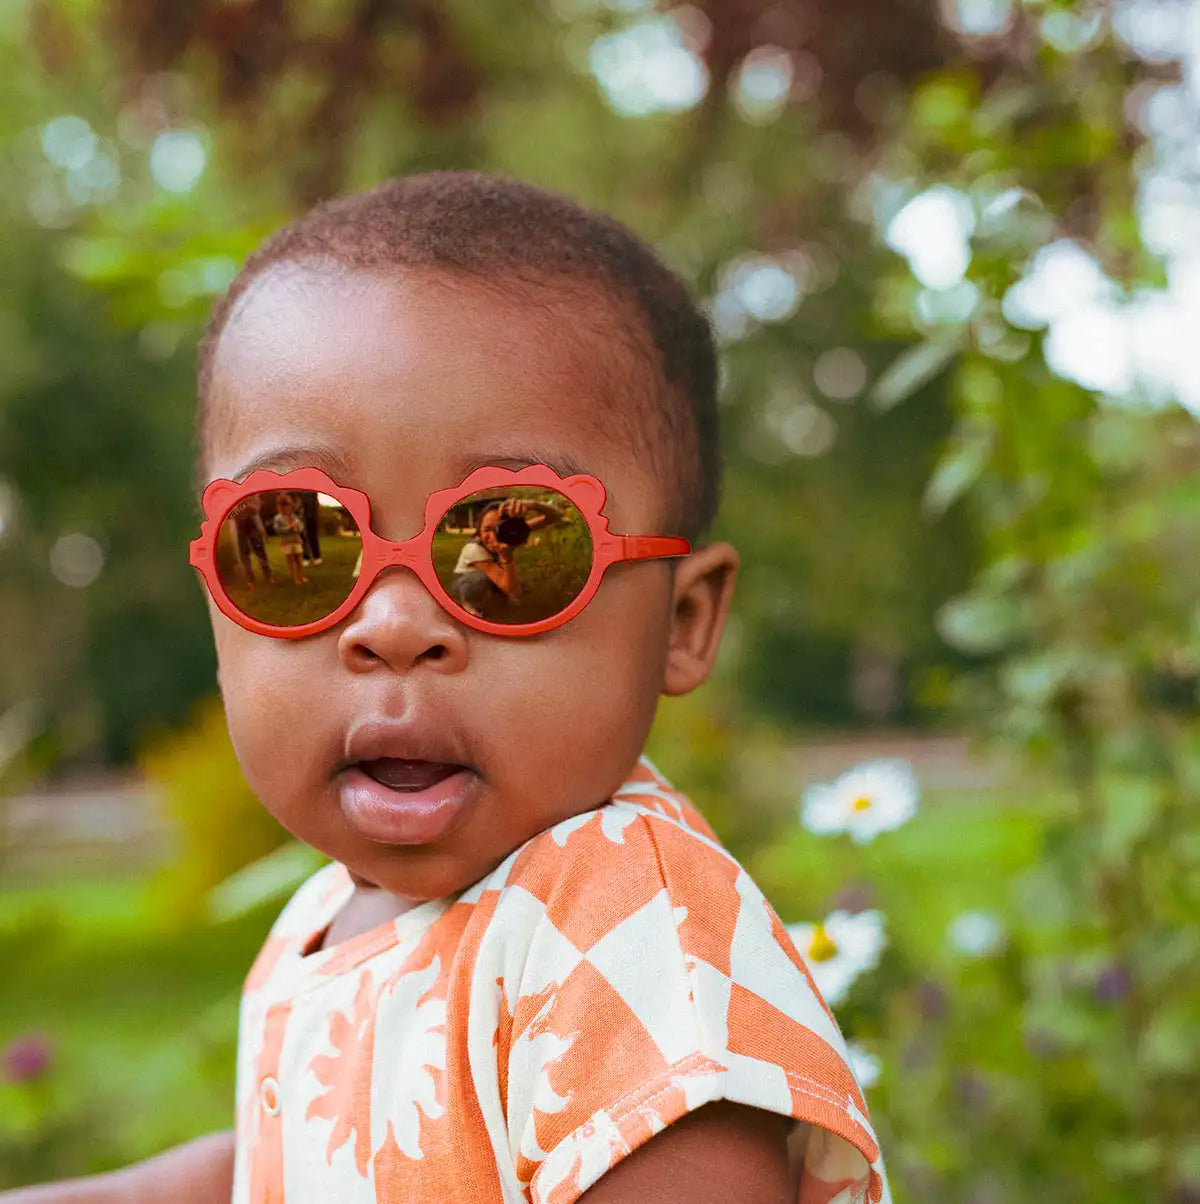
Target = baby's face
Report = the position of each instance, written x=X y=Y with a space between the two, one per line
x=400 y=387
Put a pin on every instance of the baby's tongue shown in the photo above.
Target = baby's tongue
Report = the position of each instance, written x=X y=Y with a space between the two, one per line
x=407 y=775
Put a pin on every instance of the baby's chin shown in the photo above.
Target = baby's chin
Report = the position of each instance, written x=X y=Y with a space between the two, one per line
x=419 y=875
x=384 y=848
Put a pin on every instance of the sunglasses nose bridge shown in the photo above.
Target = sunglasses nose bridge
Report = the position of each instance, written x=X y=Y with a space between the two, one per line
x=401 y=554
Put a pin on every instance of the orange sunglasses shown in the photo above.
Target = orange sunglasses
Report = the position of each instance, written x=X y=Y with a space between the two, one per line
x=507 y=553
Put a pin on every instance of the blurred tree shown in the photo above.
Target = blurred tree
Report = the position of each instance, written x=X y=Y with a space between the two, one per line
x=150 y=204
x=917 y=482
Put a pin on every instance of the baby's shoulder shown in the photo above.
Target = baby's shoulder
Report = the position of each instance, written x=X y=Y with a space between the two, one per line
x=625 y=867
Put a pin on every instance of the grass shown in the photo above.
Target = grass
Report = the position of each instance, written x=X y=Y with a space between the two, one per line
x=286 y=603
x=962 y=851
x=552 y=571
x=141 y=1019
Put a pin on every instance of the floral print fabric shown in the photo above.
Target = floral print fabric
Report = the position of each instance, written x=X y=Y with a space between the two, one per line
x=514 y=1042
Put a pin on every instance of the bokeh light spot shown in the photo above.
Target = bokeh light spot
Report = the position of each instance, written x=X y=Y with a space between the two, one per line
x=763 y=84
x=68 y=141
x=807 y=430
x=76 y=559
x=840 y=373
x=977 y=18
x=946 y=306
x=767 y=291
x=1060 y=278
x=177 y=160
x=932 y=232
x=1157 y=30
x=648 y=68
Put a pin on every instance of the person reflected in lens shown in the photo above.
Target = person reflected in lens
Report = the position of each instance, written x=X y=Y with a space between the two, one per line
x=289 y=526
x=252 y=537
x=310 y=511
x=485 y=577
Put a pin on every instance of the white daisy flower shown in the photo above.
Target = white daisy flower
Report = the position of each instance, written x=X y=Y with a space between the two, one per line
x=839 y=949
x=866 y=1066
x=870 y=798
x=975 y=933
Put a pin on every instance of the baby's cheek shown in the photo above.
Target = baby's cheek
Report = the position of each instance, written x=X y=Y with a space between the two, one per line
x=269 y=720
x=597 y=705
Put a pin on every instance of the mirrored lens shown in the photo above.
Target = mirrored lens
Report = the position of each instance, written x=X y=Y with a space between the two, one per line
x=288 y=557
x=515 y=555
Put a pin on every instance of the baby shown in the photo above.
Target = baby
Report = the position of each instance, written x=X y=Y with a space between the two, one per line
x=531 y=972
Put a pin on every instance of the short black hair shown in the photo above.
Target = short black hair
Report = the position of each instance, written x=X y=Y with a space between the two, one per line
x=516 y=237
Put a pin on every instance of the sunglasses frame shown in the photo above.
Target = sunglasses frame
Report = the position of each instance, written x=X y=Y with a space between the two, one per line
x=585 y=493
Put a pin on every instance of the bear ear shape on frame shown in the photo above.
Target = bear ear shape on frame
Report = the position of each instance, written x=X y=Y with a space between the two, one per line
x=216 y=492
x=588 y=492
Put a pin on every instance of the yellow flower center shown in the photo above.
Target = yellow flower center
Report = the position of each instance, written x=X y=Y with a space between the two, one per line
x=861 y=803
x=820 y=948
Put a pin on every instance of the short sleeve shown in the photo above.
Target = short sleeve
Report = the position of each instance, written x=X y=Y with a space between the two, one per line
x=472 y=553
x=658 y=979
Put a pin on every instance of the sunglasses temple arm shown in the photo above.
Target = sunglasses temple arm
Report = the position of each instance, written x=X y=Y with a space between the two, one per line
x=652 y=547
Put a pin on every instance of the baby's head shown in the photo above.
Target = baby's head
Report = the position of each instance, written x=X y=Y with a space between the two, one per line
x=399 y=340
x=489 y=522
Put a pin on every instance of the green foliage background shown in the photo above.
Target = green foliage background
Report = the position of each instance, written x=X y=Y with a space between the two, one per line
x=1015 y=552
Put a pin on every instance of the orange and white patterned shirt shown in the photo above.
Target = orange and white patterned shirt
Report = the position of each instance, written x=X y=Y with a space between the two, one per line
x=514 y=1042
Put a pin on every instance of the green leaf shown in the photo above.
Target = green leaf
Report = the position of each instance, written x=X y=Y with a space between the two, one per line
x=1002 y=106
x=1172 y=1041
x=1132 y=804
x=980 y=623
x=263 y=881
x=1132 y=1156
x=100 y=260
x=958 y=469
x=913 y=368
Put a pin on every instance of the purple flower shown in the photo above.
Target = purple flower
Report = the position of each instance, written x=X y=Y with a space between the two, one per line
x=917 y=1054
x=1042 y=1043
x=1112 y=985
x=1186 y=1192
x=987 y=1191
x=972 y=1089
x=854 y=897
x=27 y=1058
x=931 y=999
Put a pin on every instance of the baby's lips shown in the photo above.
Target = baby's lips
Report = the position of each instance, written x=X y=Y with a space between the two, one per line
x=403 y=750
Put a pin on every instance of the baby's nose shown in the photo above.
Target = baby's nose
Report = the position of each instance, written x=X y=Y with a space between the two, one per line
x=400 y=625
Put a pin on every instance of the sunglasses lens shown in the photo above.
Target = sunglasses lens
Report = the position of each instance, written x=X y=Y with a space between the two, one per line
x=264 y=544
x=515 y=555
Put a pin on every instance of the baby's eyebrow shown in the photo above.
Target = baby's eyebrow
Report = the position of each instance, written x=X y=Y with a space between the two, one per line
x=284 y=459
x=563 y=465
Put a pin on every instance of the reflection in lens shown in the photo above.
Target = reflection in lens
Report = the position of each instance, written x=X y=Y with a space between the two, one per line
x=288 y=557
x=545 y=536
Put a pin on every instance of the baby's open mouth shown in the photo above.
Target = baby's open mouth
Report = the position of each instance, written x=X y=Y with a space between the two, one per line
x=410 y=776
x=403 y=801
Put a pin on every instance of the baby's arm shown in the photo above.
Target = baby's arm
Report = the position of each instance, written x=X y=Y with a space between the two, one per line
x=721 y=1152
x=200 y=1172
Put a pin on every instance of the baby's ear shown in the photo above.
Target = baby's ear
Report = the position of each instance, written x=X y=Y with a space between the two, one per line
x=703 y=589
